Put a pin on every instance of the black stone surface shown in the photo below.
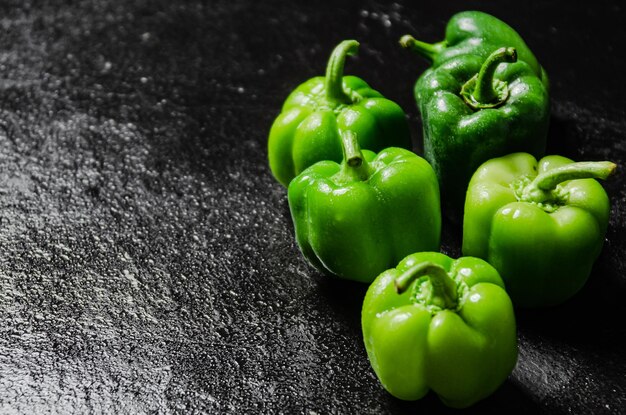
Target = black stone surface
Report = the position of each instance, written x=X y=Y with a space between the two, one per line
x=148 y=262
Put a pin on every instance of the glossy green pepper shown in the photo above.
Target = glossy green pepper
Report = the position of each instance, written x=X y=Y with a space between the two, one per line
x=475 y=33
x=541 y=224
x=355 y=219
x=314 y=114
x=442 y=324
x=473 y=111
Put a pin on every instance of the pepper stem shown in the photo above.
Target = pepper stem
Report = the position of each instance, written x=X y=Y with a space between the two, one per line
x=539 y=190
x=355 y=164
x=427 y=50
x=334 y=71
x=443 y=292
x=482 y=90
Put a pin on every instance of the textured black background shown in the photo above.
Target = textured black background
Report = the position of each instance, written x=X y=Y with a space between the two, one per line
x=147 y=258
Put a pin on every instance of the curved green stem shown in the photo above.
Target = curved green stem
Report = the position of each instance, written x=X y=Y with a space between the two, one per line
x=354 y=164
x=581 y=170
x=539 y=190
x=351 y=149
x=443 y=292
x=484 y=91
x=334 y=71
x=427 y=50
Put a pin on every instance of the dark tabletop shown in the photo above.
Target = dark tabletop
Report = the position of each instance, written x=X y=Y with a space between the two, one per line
x=148 y=263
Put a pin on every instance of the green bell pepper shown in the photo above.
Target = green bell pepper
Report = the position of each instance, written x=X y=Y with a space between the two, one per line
x=475 y=33
x=442 y=324
x=473 y=111
x=356 y=219
x=541 y=224
x=308 y=128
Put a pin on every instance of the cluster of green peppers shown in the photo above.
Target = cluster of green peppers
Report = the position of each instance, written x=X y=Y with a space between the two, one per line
x=366 y=208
